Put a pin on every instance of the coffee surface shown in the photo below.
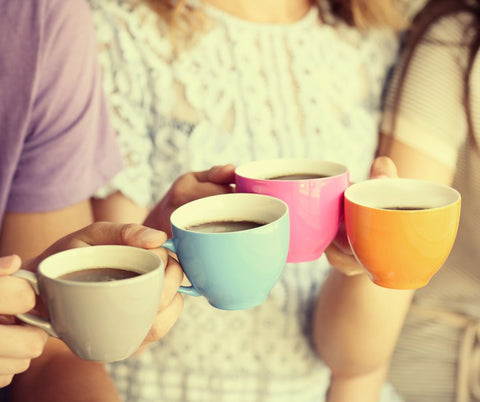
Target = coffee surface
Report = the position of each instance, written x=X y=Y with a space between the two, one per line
x=224 y=226
x=298 y=176
x=99 y=275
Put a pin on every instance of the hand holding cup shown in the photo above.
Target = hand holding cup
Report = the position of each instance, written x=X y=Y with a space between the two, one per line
x=107 y=321
x=339 y=253
x=19 y=343
x=401 y=230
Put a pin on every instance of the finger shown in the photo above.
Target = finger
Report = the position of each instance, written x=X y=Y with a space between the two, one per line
x=162 y=253
x=5 y=380
x=188 y=188
x=341 y=240
x=100 y=233
x=347 y=264
x=165 y=320
x=172 y=280
x=21 y=341
x=221 y=174
x=9 y=264
x=383 y=166
x=13 y=366
x=208 y=189
x=129 y=234
x=16 y=296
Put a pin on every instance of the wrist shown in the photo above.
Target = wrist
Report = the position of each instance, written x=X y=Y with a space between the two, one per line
x=359 y=388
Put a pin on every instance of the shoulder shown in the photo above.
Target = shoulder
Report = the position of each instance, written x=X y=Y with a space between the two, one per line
x=35 y=22
x=69 y=17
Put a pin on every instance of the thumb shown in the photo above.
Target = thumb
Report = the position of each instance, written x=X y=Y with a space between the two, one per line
x=131 y=234
x=102 y=233
x=383 y=167
x=222 y=174
x=9 y=264
x=105 y=233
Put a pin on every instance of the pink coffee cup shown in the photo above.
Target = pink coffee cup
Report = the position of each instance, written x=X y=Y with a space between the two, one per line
x=313 y=190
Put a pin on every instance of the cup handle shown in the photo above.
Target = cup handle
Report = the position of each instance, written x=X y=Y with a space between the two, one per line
x=28 y=318
x=187 y=290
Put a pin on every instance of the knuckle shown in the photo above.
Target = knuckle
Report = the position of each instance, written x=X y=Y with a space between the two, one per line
x=155 y=333
x=127 y=231
x=36 y=344
x=179 y=302
x=25 y=297
x=177 y=195
x=95 y=228
x=334 y=259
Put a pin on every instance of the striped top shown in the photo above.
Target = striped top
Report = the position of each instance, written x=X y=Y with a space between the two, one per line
x=429 y=365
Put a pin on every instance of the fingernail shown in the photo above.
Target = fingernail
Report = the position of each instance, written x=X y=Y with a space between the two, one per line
x=9 y=261
x=381 y=176
x=149 y=235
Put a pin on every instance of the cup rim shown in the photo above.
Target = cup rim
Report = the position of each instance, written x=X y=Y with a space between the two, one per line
x=249 y=170
x=246 y=196
x=160 y=266
x=350 y=195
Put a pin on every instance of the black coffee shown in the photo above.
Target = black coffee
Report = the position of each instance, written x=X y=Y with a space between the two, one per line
x=298 y=176
x=224 y=226
x=99 y=275
x=406 y=208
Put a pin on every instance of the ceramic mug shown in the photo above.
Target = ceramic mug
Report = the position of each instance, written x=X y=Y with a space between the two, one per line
x=234 y=269
x=401 y=230
x=315 y=201
x=102 y=321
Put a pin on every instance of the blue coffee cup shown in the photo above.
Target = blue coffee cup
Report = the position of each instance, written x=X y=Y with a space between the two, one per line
x=233 y=270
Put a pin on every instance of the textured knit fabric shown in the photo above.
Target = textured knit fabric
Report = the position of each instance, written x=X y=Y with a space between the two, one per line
x=438 y=355
x=56 y=143
x=242 y=91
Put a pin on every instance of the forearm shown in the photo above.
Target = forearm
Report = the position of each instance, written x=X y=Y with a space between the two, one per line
x=59 y=376
x=356 y=324
x=118 y=208
x=360 y=388
x=29 y=234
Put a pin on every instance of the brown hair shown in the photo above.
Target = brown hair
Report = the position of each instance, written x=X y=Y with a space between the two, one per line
x=368 y=13
x=433 y=11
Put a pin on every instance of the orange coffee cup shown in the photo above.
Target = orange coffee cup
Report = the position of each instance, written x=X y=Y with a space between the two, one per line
x=401 y=230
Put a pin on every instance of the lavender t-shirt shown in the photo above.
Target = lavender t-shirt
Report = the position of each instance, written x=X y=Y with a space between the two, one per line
x=56 y=143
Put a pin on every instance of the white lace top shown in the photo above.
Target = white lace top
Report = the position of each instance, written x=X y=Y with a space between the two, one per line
x=244 y=91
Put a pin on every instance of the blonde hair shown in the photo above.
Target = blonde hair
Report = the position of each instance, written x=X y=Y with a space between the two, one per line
x=185 y=20
x=385 y=12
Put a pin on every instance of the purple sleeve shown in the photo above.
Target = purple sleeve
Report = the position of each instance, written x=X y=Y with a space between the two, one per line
x=70 y=149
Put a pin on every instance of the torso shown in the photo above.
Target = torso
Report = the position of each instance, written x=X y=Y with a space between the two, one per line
x=245 y=91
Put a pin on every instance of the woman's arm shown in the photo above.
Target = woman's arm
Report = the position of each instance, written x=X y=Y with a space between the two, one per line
x=357 y=323
x=188 y=187
x=356 y=326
